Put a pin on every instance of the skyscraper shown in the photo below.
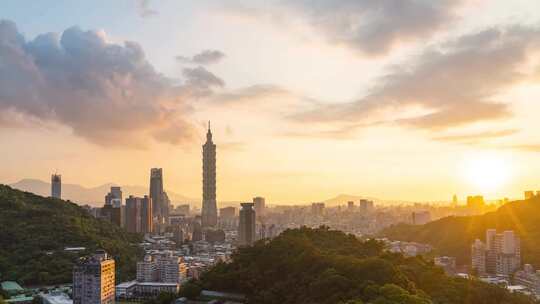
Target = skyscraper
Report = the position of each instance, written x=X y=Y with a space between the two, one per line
x=115 y=193
x=156 y=192
x=56 y=186
x=146 y=214
x=209 y=205
x=93 y=280
x=260 y=205
x=139 y=214
x=246 y=226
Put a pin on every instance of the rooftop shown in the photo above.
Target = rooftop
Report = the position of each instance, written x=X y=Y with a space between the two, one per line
x=11 y=286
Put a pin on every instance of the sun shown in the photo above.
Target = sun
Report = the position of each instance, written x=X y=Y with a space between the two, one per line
x=487 y=172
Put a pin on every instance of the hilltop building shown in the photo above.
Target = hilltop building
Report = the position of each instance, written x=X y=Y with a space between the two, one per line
x=56 y=186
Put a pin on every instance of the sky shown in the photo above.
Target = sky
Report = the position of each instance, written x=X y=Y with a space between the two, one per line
x=411 y=100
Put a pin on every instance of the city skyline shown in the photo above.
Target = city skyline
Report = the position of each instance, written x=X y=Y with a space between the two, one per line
x=305 y=108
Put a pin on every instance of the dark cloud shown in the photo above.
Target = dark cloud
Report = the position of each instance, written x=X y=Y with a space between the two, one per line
x=106 y=93
x=144 y=10
x=201 y=81
x=205 y=57
x=373 y=27
x=450 y=85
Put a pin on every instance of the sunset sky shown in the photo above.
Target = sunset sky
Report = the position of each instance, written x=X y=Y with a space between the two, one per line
x=395 y=99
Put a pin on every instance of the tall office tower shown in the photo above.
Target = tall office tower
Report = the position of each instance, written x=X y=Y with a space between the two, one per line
x=146 y=214
x=246 y=226
x=209 y=205
x=350 y=205
x=156 y=191
x=454 y=201
x=56 y=186
x=260 y=206
x=115 y=193
x=133 y=214
x=478 y=257
x=93 y=280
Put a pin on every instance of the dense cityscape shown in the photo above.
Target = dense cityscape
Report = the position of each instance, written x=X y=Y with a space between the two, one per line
x=181 y=242
x=269 y=152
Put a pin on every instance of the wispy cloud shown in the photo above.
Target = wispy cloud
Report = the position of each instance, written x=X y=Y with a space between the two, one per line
x=451 y=84
x=205 y=57
x=476 y=137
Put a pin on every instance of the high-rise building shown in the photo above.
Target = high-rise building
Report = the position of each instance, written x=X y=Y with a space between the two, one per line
x=366 y=206
x=112 y=210
x=260 y=206
x=350 y=205
x=246 y=226
x=56 y=186
x=139 y=214
x=160 y=200
x=501 y=253
x=133 y=214
x=115 y=193
x=146 y=215
x=227 y=213
x=147 y=270
x=209 y=205
x=478 y=256
x=93 y=280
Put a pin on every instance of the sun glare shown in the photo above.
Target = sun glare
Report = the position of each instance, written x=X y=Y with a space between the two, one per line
x=487 y=172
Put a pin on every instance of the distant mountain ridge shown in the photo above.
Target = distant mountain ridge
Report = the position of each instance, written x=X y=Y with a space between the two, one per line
x=93 y=196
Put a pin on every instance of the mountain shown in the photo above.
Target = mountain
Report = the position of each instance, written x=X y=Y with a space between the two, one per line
x=93 y=196
x=454 y=235
x=342 y=199
x=34 y=231
x=322 y=266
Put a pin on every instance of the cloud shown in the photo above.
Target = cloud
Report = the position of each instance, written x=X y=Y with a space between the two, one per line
x=448 y=85
x=471 y=138
x=106 y=93
x=374 y=27
x=205 y=57
x=201 y=81
x=144 y=10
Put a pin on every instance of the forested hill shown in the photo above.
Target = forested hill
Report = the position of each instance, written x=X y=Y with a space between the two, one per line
x=34 y=231
x=323 y=266
x=454 y=235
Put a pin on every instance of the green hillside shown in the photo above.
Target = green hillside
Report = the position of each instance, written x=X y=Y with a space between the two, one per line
x=454 y=235
x=330 y=267
x=35 y=230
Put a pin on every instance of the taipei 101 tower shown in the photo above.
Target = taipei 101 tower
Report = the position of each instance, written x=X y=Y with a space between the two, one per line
x=209 y=206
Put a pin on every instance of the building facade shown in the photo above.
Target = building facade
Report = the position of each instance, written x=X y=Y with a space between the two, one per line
x=160 y=200
x=209 y=204
x=94 y=280
x=246 y=225
x=501 y=254
x=260 y=206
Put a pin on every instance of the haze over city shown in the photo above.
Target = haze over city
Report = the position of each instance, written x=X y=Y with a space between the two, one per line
x=308 y=99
